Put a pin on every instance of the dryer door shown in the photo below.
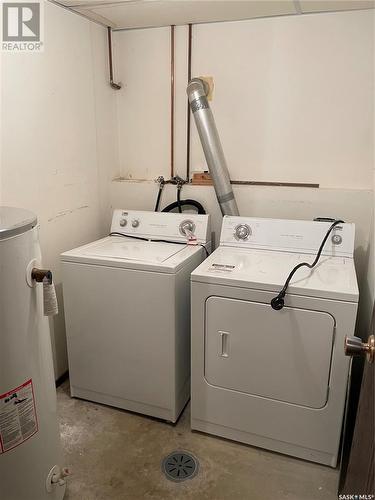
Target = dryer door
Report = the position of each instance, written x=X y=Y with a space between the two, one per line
x=282 y=355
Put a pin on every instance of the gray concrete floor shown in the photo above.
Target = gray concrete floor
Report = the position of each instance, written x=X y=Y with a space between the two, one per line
x=114 y=454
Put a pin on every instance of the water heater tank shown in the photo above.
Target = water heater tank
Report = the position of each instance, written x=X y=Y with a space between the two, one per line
x=30 y=450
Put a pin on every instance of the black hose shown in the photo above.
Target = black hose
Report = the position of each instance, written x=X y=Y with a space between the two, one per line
x=179 y=199
x=277 y=302
x=158 y=198
x=189 y=203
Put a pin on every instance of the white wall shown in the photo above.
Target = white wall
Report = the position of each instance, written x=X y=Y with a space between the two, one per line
x=56 y=118
x=368 y=277
x=295 y=96
x=368 y=282
x=293 y=102
x=292 y=98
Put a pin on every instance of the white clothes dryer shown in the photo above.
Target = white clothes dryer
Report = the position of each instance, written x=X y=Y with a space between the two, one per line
x=274 y=379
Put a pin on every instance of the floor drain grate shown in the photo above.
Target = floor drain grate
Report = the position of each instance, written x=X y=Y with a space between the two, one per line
x=179 y=466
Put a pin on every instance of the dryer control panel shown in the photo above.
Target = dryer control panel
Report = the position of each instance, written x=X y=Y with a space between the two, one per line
x=287 y=235
x=162 y=225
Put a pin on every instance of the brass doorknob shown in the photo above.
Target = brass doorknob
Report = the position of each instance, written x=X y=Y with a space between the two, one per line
x=355 y=347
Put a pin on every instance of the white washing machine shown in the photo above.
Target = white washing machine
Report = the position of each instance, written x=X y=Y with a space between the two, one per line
x=127 y=311
x=274 y=379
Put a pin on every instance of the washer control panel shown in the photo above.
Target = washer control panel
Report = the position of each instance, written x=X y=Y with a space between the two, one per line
x=162 y=225
x=297 y=236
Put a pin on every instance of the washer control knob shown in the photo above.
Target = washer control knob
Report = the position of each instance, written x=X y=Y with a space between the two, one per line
x=336 y=239
x=123 y=222
x=186 y=225
x=135 y=223
x=242 y=232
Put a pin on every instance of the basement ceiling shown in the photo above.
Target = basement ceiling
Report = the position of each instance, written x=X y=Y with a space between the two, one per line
x=127 y=14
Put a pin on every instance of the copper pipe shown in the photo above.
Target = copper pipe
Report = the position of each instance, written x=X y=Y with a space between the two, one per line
x=115 y=86
x=190 y=37
x=172 y=99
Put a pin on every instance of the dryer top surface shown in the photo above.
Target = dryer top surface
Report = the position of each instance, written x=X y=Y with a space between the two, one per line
x=332 y=278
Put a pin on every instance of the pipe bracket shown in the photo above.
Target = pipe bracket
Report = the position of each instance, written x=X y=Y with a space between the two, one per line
x=198 y=104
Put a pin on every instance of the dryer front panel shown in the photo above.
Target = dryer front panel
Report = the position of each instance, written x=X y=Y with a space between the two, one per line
x=279 y=355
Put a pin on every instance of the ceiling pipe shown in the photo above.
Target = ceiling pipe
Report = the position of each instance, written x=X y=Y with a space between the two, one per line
x=197 y=91
x=188 y=113
x=113 y=84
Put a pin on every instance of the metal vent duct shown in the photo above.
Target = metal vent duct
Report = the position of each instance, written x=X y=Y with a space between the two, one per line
x=197 y=92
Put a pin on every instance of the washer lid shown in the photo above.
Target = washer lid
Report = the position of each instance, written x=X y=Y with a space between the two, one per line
x=141 y=251
x=124 y=252
x=15 y=221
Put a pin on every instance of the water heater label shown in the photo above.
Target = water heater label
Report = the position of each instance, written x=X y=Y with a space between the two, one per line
x=18 y=420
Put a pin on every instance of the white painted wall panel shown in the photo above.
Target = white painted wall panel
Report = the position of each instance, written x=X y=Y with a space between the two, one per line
x=293 y=98
x=143 y=105
x=53 y=148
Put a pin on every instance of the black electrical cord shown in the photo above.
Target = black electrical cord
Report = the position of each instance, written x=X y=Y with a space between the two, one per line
x=277 y=302
x=115 y=233
x=189 y=203
x=205 y=249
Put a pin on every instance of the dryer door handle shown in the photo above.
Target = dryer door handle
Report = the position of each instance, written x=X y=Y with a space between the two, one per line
x=224 y=344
